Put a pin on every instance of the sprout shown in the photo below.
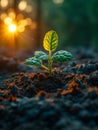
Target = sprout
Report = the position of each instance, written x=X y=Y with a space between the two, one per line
x=50 y=44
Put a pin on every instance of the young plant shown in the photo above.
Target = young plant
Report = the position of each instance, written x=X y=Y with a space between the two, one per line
x=50 y=44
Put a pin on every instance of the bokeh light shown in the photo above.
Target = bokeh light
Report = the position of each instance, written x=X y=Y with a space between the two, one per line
x=7 y=20
x=20 y=28
x=58 y=1
x=29 y=21
x=3 y=16
x=12 y=15
x=23 y=22
x=18 y=22
x=20 y=16
x=28 y=9
x=22 y=5
x=4 y=3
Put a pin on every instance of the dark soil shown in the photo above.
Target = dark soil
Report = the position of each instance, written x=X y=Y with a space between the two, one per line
x=30 y=99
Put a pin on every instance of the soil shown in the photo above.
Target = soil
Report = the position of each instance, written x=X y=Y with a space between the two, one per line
x=31 y=99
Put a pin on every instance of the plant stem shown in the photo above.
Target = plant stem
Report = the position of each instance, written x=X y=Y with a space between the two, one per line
x=50 y=63
x=43 y=66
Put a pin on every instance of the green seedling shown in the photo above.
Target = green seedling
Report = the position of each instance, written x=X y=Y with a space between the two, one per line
x=50 y=44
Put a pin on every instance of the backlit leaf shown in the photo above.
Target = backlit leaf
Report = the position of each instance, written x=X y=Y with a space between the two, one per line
x=50 y=42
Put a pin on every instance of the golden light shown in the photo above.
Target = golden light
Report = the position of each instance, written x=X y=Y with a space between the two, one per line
x=12 y=28
x=22 y=5
x=4 y=3
x=28 y=9
x=7 y=20
x=29 y=21
x=15 y=28
x=12 y=15
x=3 y=16
x=20 y=28
x=20 y=16
x=23 y=22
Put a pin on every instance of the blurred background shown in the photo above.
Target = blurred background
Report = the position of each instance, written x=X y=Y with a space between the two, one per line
x=23 y=23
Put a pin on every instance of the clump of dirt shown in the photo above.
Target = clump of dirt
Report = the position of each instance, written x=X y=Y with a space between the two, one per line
x=32 y=99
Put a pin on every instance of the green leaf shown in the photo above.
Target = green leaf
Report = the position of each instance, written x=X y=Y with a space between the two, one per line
x=50 y=42
x=61 y=56
x=41 y=55
x=33 y=61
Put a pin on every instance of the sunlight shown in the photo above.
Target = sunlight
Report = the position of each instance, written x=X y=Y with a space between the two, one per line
x=12 y=28
x=7 y=20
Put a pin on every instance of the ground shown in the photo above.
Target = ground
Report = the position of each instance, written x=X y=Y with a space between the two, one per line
x=30 y=99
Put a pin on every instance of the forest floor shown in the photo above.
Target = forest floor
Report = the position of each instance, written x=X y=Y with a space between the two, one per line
x=30 y=99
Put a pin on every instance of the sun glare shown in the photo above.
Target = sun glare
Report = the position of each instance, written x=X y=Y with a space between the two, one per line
x=12 y=28
x=7 y=20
